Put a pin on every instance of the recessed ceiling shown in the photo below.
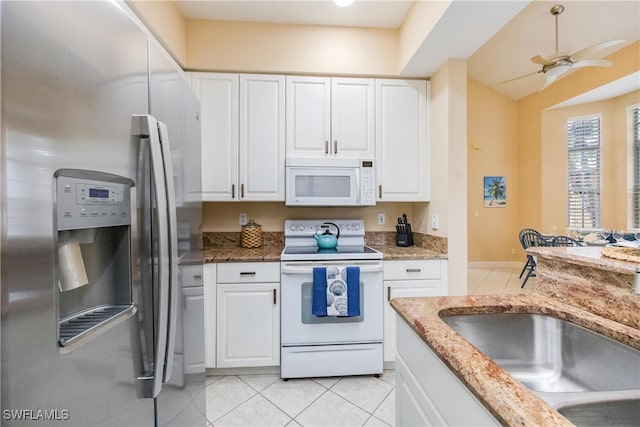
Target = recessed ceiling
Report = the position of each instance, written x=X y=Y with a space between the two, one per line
x=532 y=32
x=526 y=30
x=374 y=14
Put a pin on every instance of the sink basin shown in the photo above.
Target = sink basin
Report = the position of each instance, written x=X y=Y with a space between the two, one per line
x=611 y=413
x=551 y=355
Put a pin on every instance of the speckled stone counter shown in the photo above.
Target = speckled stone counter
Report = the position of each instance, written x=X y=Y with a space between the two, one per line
x=506 y=398
x=225 y=247
x=580 y=276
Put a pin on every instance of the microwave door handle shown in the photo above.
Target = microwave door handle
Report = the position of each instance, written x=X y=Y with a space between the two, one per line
x=150 y=384
x=173 y=249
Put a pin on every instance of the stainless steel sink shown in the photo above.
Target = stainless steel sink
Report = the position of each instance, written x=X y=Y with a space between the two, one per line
x=625 y=412
x=550 y=355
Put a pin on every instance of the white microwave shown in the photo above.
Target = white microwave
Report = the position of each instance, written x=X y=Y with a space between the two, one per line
x=330 y=182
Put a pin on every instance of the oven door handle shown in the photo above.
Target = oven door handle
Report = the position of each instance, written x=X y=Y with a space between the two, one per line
x=306 y=269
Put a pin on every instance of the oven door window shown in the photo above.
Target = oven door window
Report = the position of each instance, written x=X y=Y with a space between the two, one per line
x=308 y=318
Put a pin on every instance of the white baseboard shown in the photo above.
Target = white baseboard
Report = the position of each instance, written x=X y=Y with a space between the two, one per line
x=495 y=264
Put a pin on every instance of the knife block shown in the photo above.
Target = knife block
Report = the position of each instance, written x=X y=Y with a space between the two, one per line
x=404 y=238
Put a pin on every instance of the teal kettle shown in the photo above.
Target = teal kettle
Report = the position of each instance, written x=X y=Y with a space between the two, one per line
x=327 y=240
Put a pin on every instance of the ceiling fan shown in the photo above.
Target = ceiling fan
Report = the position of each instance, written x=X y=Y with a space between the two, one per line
x=560 y=63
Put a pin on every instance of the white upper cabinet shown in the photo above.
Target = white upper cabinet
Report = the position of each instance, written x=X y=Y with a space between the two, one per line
x=330 y=117
x=243 y=136
x=401 y=140
x=262 y=137
x=218 y=94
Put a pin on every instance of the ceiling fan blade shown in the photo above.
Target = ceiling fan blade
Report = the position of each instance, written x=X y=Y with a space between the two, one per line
x=540 y=60
x=587 y=50
x=519 y=77
x=592 y=63
x=550 y=79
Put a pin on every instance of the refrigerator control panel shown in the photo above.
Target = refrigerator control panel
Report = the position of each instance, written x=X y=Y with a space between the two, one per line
x=92 y=199
x=95 y=194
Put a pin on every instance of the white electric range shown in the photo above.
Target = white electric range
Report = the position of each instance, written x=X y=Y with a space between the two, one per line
x=314 y=346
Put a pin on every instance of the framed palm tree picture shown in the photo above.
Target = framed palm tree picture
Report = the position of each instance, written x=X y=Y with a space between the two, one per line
x=495 y=192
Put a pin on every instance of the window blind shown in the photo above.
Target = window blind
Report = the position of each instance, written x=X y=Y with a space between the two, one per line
x=584 y=172
x=635 y=196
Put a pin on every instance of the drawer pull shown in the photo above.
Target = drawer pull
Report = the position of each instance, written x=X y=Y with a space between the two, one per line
x=197 y=276
x=247 y=273
x=275 y=299
x=413 y=270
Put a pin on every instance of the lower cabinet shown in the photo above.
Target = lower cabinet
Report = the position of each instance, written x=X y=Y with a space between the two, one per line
x=415 y=278
x=243 y=319
x=427 y=392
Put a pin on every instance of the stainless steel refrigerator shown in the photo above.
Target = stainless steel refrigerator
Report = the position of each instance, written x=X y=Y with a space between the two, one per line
x=102 y=308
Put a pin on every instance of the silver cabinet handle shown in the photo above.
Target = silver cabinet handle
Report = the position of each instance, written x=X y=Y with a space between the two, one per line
x=335 y=146
x=389 y=293
x=242 y=191
x=233 y=191
x=413 y=270
x=275 y=298
x=380 y=191
x=247 y=273
x=326 y=147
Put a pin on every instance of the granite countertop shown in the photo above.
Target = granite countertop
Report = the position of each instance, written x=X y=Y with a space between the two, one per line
x=589 y=256
x=272 y=253
x=508 y=400
x=225 y=247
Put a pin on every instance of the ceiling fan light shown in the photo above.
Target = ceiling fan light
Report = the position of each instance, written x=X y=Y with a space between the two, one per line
x=343 y=3
x=558 y=70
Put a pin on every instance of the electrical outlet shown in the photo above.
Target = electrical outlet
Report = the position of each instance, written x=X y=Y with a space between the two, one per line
x=434 y=221
x=242 y=218
x=381 y=219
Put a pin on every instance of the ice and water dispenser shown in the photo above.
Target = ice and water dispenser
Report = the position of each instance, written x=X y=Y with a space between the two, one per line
x=93 y=260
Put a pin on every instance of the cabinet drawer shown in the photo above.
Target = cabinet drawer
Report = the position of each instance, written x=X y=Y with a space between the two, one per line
x=249 y=272
x=412 y=269
x=191 y=275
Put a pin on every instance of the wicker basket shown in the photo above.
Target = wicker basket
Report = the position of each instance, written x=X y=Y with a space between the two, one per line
x=251 y=235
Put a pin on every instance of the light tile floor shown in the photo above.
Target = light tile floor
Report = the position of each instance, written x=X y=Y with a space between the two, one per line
x=267 y=400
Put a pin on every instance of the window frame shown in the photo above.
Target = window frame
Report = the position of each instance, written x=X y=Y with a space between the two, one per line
x=633 y=167
x=572 y=173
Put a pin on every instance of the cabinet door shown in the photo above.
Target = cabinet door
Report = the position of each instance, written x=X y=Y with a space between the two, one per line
x=308 y=116
x=401 y=140
x=399 y=289
x=262 y=138
x=193 y=309
x=218 y=94
x=248 y=325
x=352 y=118
x=210 y=315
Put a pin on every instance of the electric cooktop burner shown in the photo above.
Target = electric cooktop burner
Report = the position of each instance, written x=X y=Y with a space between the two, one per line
x=300 y=244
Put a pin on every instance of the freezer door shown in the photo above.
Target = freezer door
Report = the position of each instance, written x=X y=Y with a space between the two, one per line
x=181 y=401
x=73 y=74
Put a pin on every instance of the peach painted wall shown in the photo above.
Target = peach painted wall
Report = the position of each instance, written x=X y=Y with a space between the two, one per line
x=167 y=23
x=276 y=48
x=614 y=161
x=530 y=111
x=492 y=151
x=271 y=215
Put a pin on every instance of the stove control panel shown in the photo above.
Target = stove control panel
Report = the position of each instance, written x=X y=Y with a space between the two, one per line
x=306 y=227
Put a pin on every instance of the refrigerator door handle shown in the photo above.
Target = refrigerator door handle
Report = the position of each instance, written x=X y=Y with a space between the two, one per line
x=150 y=383
x=173 y=249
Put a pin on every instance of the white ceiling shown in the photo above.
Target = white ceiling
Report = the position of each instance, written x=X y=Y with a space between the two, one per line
x=497 y=37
